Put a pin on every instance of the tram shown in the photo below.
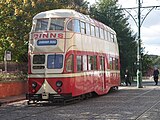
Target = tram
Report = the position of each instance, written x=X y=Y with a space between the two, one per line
x=70 y=55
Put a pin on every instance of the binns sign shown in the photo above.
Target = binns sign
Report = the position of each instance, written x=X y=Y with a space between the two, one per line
x=48 y=35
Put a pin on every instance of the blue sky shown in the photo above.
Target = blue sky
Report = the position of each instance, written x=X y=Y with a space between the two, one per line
x=150 y=30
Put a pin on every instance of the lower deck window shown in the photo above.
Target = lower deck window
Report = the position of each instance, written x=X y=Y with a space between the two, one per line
x=79 y=63
x=55 y=61
x=38 y=59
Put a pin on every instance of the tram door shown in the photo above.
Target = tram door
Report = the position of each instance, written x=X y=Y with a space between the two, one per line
x=102 y=68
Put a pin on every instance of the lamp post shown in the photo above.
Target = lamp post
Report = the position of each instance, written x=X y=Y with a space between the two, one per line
x=139 y=61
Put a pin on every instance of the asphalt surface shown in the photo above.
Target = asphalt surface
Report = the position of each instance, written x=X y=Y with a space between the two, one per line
x=128 y=103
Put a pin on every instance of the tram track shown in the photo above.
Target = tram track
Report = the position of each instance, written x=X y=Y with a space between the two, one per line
x=147 y=110
x=134 y=98
x=37 y=105
x=25 y=107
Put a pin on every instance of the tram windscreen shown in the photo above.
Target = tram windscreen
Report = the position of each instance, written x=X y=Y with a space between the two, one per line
x=57 y=24
x=38 y=59
x=55 y=61
x=42 y=24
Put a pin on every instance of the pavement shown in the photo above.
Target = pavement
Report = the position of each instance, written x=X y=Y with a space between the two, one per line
x=11 y=99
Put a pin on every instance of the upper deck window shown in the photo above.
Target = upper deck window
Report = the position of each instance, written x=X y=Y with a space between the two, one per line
x=57 y=24
x=74 y=25
x=42 y=24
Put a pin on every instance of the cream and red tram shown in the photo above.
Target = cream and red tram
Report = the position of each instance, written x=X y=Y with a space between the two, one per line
x=70 y=55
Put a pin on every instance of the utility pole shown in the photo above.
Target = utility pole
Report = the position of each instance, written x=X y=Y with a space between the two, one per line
x=139 y=61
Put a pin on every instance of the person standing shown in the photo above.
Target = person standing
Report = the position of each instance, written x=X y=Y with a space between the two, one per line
x=127 y=77
x=155 y=75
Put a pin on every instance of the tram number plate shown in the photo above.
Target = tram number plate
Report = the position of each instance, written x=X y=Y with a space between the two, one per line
x=45 y=95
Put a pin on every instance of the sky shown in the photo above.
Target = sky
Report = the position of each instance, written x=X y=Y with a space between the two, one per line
x=150 y=29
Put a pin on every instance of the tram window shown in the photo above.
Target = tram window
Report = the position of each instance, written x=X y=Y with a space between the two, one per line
x=110 y=63
x=55 y=61
x=112 y=37
x=101 y=33
x=92 y=30
x=79 y=63
x=115 y=39
x=69 y=26
x=101 y=63
x=83 y=28
x=113 y=63
x=38 y=59
x=116 y=64
x=90 y=63
x=94 y=62
x=42 y=24
x=74 y=25
x=97 y=32
x=87 y=29
x=109 y=36
x=105 y=35
x=84 y=62
x=57 y=24
x=69 y=64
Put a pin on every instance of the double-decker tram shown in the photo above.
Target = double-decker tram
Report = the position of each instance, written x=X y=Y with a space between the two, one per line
x=70 y=55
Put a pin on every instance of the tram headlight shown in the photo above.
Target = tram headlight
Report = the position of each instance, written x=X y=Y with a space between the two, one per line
x=59 y=83
x=34 y=85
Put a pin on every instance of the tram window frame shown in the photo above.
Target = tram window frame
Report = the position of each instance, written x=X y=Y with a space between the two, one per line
x=88 y=29
x=83 y=27
x=97 y=32
x=92 y=30
x=70 y=63
x=79 y=63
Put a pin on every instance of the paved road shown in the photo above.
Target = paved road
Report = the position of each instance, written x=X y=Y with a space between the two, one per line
x=129 y=103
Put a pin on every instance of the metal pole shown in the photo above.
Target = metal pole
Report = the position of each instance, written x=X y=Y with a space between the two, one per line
x=5 y=61
x=139 y=64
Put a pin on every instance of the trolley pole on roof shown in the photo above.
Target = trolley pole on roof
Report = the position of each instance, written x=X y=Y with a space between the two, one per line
x=139 y=61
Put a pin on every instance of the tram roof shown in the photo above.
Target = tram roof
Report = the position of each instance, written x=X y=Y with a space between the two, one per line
x=70 y=14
